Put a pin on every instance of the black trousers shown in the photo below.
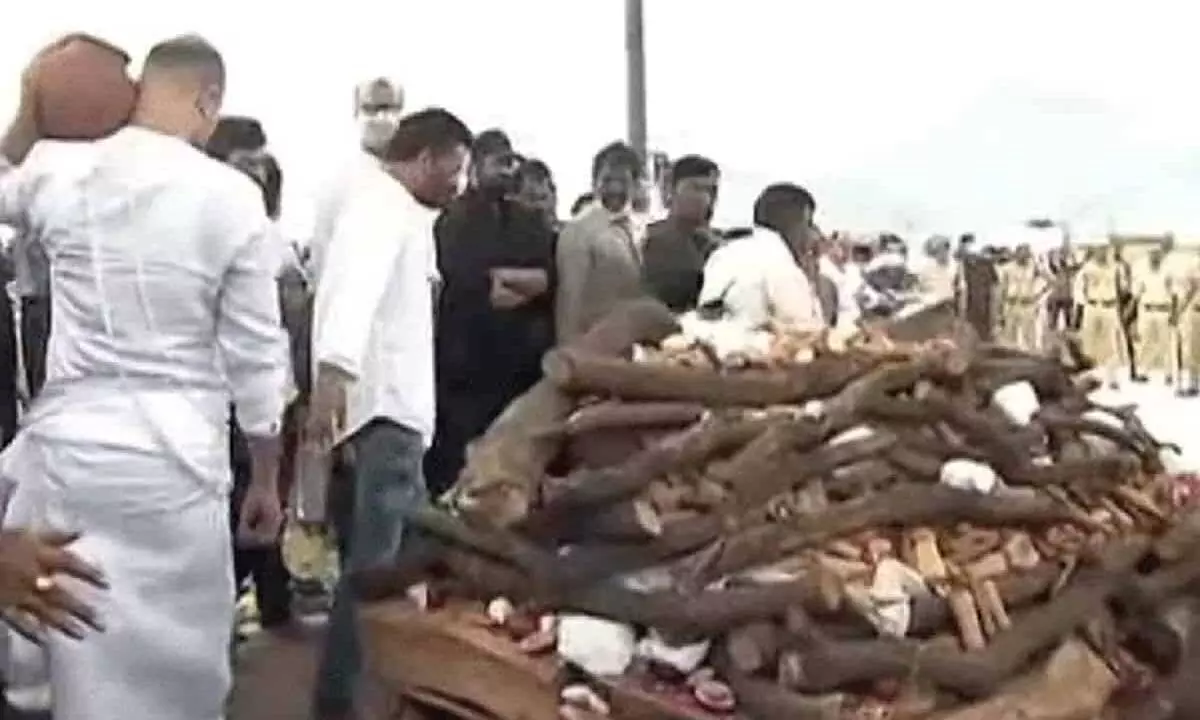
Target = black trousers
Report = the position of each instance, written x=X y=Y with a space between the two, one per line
x=1061 y=314
x=461 y=418
x=8 y=371
x=272 y=582
x=35 y=334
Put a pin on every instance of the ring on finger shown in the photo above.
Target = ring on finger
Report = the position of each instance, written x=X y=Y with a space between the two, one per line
x=43 y=583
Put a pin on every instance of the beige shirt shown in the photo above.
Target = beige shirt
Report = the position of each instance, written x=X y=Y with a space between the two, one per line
x=1021 y=283
x=1154 y=286
x=1097 y=283
x=937 y=279
x=599 y=265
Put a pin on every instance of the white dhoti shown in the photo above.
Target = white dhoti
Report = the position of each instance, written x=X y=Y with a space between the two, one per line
x=161 y=535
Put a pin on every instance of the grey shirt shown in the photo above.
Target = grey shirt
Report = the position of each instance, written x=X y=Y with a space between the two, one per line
x=599 y=265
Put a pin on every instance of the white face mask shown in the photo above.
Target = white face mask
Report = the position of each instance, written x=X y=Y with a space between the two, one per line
x=376 y=129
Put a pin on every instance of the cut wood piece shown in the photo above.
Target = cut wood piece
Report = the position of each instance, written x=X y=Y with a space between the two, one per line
x=921 y=553
x=980 y=673
x=1020 y=552
x=991 y=604
x=900 y=506
x=505 y=466
x=968 y=546
x=966 y=616
x=992 y=565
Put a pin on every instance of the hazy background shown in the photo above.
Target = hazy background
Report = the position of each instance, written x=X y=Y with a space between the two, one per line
x=915 y=116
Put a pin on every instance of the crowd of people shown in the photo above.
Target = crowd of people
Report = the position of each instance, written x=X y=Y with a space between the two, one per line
x=181 y=357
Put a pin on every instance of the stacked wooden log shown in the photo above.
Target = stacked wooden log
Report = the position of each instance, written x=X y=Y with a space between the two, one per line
x=905 y=514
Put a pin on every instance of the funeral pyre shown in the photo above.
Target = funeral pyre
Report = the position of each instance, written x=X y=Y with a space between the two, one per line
x=810 y=526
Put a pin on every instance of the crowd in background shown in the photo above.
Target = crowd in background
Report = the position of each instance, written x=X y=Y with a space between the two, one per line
x=415 y=313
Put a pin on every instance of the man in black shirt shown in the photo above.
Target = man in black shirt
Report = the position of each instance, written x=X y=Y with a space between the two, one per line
x=495 y=313
x=676 y=248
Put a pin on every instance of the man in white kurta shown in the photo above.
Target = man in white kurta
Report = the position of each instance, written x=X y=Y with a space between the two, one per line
x=165 y=312
x=762 y=277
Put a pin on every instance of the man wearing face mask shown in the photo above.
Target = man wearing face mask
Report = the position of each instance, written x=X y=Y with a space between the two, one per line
x=495 y=313
x=377 y=107
x=599 y=257
x=373 y=336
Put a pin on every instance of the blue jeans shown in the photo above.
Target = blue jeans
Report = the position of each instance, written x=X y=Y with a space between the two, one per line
x=387 y=484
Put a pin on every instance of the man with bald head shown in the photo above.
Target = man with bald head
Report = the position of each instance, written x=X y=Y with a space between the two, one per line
x=377 y=106
x=165 y=314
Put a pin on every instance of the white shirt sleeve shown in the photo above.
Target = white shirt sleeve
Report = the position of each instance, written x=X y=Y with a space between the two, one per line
x=359 y=261
x=254 y=346
x=20 y=183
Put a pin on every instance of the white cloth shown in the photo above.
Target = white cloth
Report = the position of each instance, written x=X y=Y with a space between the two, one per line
x=848 y=280
x=937 y=280
x=373 y=315
x=330 y=200
x=757 y=280
x=31 y=269
x=165 y=312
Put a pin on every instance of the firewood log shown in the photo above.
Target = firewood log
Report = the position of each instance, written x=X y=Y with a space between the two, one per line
x=752 y=647
x=763 y=700
x=980 y=673
x=504 y=466
x=590 y=488
x=581 y=373
x=634 y=520
x=900 y=506
x=615 y=415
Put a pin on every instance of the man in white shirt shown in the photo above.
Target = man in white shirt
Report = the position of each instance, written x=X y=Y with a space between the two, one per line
x=377 y=107
x=165 y=313
x=769 y=275
x=938 y=275
x=846 y=276
x=373 y=352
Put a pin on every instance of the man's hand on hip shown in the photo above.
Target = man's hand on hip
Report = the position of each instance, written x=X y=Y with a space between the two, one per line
x=31 y=597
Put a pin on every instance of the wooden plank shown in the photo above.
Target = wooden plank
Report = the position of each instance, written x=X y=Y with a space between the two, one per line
x=451 y=660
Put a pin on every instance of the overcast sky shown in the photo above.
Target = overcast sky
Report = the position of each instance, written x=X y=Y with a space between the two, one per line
x=922 y=115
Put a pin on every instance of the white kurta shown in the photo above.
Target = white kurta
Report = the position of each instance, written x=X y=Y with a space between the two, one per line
x=758 y=280
x=164 y=312
x=373 y=311
x=848 y=280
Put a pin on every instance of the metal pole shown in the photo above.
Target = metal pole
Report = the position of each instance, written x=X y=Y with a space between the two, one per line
x=635 y=71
